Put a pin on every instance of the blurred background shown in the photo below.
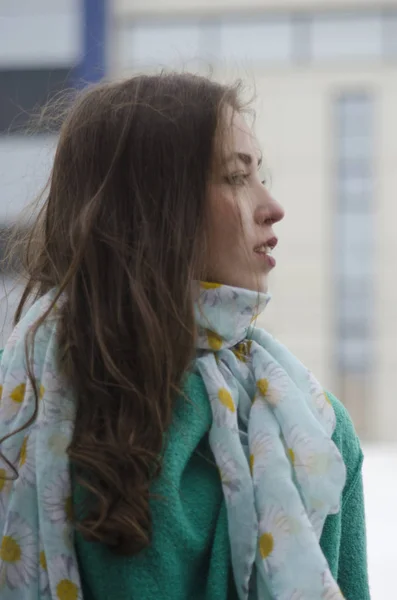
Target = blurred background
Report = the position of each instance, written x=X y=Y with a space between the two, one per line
x=325 y=77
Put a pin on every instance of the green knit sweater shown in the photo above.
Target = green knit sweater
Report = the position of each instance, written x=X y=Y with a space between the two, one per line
x=189 y=556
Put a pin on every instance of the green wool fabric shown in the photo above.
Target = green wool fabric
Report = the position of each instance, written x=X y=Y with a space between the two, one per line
x=189 y=554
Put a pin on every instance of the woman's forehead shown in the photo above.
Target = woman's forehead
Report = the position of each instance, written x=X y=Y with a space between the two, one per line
x=240 y=139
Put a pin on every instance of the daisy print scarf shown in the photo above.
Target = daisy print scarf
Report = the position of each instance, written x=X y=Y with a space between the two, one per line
x=281 y=473
x=37 y=557
x=271 y=439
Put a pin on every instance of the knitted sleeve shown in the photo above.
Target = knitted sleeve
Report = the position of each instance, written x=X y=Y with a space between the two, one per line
x=353 y=576
x=352 y=562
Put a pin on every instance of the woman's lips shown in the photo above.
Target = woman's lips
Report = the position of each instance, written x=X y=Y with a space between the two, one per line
x=264 y=256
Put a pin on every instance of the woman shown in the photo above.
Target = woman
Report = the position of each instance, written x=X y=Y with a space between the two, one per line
x=155 y=443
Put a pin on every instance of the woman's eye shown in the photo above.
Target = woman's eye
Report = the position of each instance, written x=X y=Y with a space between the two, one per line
x=237 y=178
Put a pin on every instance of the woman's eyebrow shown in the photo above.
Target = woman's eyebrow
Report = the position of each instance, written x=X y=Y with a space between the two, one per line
x=247 y=159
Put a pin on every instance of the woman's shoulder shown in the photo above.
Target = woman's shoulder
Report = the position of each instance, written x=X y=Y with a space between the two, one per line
x=347 y=440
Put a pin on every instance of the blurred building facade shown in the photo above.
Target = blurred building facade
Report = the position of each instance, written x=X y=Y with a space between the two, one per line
x=39 y=45
x=325 y=77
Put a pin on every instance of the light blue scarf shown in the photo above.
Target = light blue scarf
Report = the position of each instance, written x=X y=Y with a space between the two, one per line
x=37 y=556
x=271 y=438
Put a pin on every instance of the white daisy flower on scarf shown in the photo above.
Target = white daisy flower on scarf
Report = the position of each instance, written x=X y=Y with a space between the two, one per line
x=306 y=459
x=322 y=403
x=18 y=553
x=12 y=399
x=272 y=382
x=228 y=470
x=274 y=537
x=224 y=409
x=17 y=400
x=65 y=579
x=27 y=462
x=261 y=448
x=43 y=570
x=56 y=399
x=57 y=499
x=223 y=405
x=5 y=488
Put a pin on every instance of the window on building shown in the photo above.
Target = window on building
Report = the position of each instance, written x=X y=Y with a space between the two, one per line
x=264 y=39
x=344 y=35
x=29 y=37
x=161 y=43
x=354 y=249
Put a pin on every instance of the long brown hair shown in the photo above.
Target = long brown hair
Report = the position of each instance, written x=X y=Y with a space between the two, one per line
x=121 y=235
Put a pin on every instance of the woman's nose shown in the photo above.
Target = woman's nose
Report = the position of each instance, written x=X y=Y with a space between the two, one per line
x=269 y=212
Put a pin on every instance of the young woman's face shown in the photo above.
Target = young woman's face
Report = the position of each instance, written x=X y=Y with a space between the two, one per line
x=242 y=214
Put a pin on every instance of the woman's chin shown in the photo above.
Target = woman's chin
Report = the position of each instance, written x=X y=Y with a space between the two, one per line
x=259 y=284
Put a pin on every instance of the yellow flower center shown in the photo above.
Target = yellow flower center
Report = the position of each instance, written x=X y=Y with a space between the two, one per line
x=43 y=560
x=226 y=399
x=263 y=386
x=208 y=285
x=266 y=545
x=10 y=550
x=22 y=457
x=18 y=393
x=41 y=392
x=67 y=590
x=1 y=391
x=2 y=479
x=252 y=461
x=214 y=340
x=291 y=455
